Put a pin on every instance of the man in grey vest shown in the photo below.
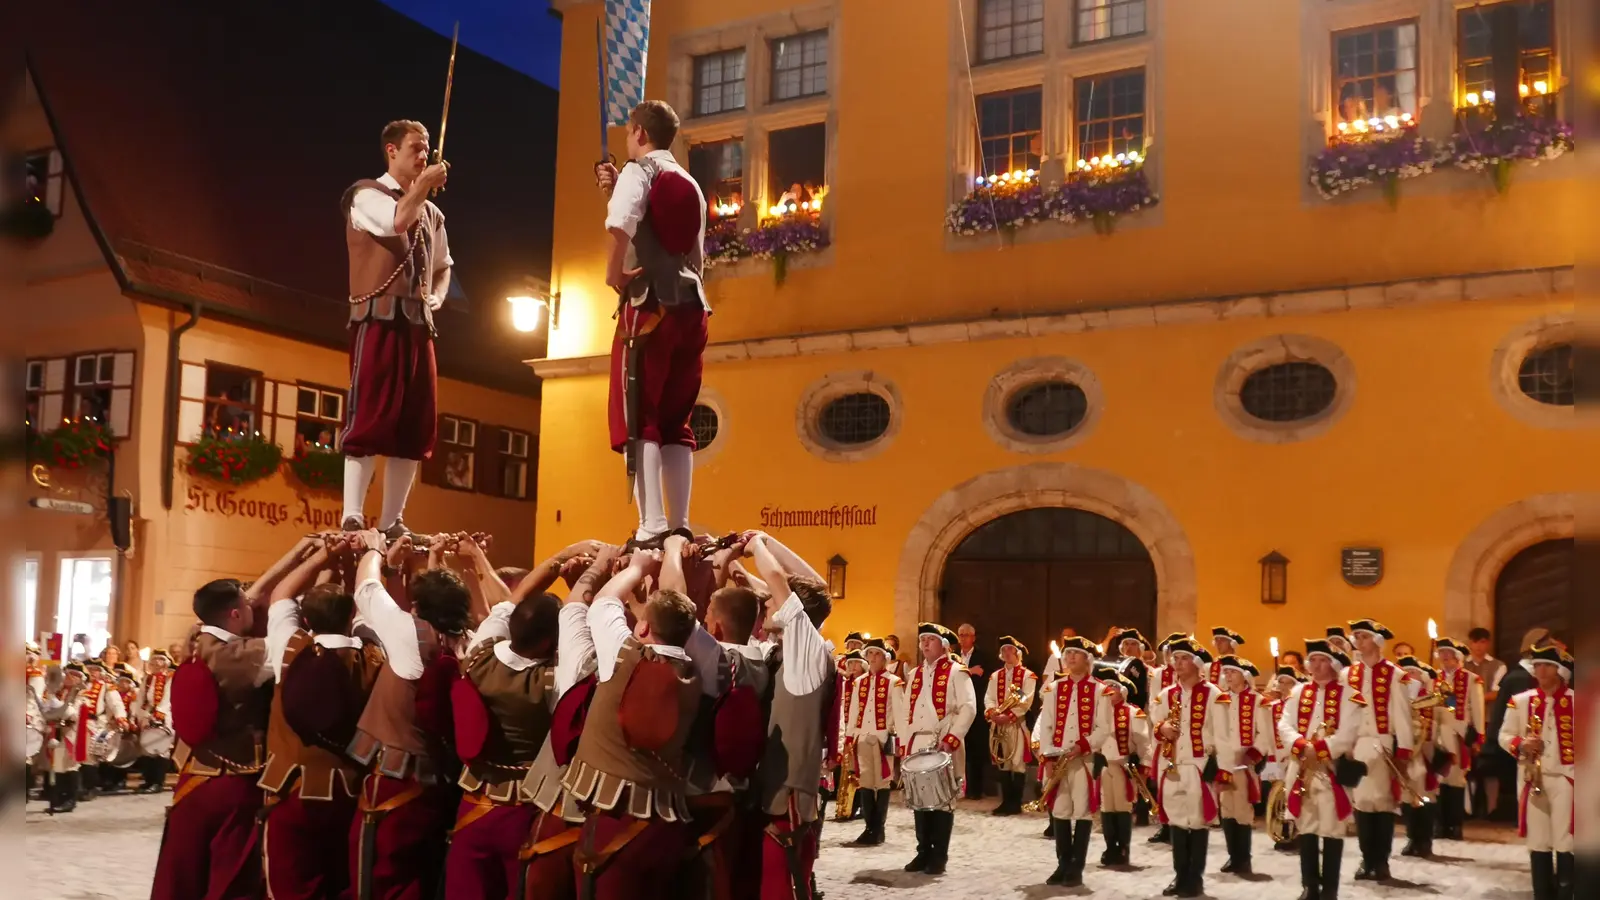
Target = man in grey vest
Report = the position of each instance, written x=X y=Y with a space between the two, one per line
x=657 y=220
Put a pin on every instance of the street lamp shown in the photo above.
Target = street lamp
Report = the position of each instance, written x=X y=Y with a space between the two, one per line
x=836 y=567
x=527 y=312
x=1274 y=578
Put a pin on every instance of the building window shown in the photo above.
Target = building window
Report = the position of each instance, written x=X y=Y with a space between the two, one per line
x=719 y=82
x=454 y=463
x=514 y=449
x=233 y=401
x=718 y=167
x=319 y=417
x=857 y=418
x=43 y=178
x=93 y=386
x=1010 y=28
x=1546 y=375
x=1010 y=130
x=1099 y=20
x=1288 y=392
x=1375 y=74
x=1047 y=409
x=797 y=164
x=705 y=424
x=1475 y=37
x=92 y=376
x=1110 y=115
x=800 y=66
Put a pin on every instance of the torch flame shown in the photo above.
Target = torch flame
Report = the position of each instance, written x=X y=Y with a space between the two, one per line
x=1433 y=630
x=1273 y=643
x=1055 y=650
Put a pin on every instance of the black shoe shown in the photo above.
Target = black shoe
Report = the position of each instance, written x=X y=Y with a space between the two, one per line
x=1050 y=828
x=935 y=867
x=1163 y=835
x=1171 y=890
x=352 y=523
x=1310 y=893
x=919 y=863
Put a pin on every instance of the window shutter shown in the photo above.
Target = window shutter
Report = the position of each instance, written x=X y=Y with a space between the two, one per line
x=121 y=412
x=192 y=382
x=491 y=464
x=284 y=434
x=533 y=467
x=55 y=375
x=432 y=469
x=49 y=412
x=122 y=372
x=191 y=418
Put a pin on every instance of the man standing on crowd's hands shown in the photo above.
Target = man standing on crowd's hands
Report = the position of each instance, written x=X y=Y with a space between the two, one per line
x=656 y=216
x=399 y=275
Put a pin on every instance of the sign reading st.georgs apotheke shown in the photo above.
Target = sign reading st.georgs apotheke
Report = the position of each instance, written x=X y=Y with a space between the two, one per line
x=232 y=504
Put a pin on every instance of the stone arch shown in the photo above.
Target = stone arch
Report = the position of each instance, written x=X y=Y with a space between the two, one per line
x=1469 y=582
x=964 y=507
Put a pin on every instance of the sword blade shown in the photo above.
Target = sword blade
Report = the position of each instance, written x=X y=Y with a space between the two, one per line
x=600 y=81
x=449 y=81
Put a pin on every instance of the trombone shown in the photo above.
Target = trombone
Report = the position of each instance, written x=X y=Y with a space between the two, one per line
x=1408 y=793
x=1057 y=773
x=1137 y=777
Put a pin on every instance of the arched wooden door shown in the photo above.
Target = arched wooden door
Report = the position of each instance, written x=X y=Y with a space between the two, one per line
x=1534 y=590
x=1032 y=572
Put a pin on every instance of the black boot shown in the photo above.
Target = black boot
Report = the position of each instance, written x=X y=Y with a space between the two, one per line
x=1566 y=875
x=1063 y=838
x=71 y=786
x=1364 y=841
x=1383 y=846
x=1413 y=845
x=1108 y=834
x=1163 y=835
x=919 y=863
x=1180 y=860
x=1195 y=885
x=1426 y=814
x=1310 y=873
x=869 y=808
x=1082 y=833
x=1239 y=852
x=1452 y=811
x=941 y=824
x=880 y=808
x=1050 y=826
x=1332 y=860
x=1543 y=867
x=1141 y=812
x=1230 y=839
x=1125 y=841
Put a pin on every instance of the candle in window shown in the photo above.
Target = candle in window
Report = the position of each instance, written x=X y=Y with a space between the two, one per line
x=1541 y=87
x=1472 y=98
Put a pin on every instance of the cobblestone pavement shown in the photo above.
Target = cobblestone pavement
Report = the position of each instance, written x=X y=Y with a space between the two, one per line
x=113 y=843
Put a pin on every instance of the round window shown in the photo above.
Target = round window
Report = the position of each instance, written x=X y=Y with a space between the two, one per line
x=1288 y=392
x=854 y=419
x=1546 y=375
x=1047 y=409
x=704 y=423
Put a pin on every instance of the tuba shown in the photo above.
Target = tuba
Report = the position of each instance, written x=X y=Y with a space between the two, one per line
x=1280 y=826
x=1002 y=740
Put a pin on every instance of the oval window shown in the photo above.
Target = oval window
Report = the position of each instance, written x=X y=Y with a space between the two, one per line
x=704 y=423
x=1047 y=409
x=854 y=419
x=1288 y=392
x=1546 y=375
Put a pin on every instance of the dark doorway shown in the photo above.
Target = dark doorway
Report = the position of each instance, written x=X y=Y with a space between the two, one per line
x=1032 y=572
x=1534 y=590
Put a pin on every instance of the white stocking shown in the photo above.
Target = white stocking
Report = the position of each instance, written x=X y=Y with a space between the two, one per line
x=397 y=477
x=677 y=476
x=647 y=492
x=357 y=478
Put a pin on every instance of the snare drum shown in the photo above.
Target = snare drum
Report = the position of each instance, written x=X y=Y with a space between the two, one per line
x=930 y=780
x=123 y=751
x=156 y=740
x=101 y=746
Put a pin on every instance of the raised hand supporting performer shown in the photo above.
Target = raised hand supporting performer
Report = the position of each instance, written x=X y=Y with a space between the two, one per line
x=657 y=220
x=399 y=275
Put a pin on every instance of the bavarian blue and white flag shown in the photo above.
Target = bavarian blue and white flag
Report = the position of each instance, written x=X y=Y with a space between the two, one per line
x=627 y=45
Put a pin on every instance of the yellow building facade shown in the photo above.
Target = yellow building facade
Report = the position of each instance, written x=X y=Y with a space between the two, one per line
x=1054 y=425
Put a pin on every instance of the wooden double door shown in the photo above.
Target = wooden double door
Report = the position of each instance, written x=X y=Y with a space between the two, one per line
x=1034 y=600
x=1534 y=590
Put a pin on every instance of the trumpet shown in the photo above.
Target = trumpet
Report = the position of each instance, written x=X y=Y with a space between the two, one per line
x=1058 y=772
x=1535 y=777
x=1137 y=777
x=1003 y=740
x=1170 y=748
x=1408 y=793
x=1299 y=790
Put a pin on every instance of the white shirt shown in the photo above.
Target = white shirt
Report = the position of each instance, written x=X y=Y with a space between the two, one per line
x=630 y=196
x=493 y=628
x=575 y=656
x=373 y=211
x=608 y=625
x=395 y=628
x=267 y=672
x=807 y=658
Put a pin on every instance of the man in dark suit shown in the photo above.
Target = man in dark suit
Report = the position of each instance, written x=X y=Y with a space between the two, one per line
x=979 y=663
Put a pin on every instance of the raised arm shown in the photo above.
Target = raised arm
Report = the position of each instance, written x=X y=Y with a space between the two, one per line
x=788 y=559
x=608 y=621
x=395 y=628
x=261 y=590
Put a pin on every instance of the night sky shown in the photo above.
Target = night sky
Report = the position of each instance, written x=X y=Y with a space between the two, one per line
x=520 y=33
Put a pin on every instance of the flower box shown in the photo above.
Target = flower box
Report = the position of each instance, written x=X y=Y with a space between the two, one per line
x=1385 y=161
x=1095 y=195
x=233 y=458
x=1496 y=146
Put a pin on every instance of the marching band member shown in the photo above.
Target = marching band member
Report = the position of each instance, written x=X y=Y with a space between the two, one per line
x=1340 y=641
x=1422 y=779
x=1539 y=731
x=406 y=803
x=798 y=741
x=940 y=705
x=33 y=719
x=153 y=710
x=1131 y=645
x=127 y=694
x=65 y=736
x=323 y=678
x=101 y=710
x=630 y=758
x=1117 y=759
x=1161 y=679
x=1006 y=702
x=1459 y=731
x=897 y=666
x=1319 y=724
x=1283 y=684
x=852 y=666
x=1074 y=721
x=870 y=724
x=1224 y=642
x=1247 y=728
x=853 y=642
x=1386 y=743
x=1190 y=730
x=34 y=669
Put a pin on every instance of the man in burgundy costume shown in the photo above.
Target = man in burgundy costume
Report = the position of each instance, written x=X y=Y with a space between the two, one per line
x=399 y=276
